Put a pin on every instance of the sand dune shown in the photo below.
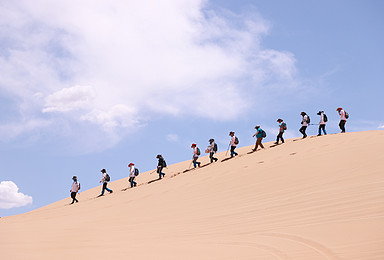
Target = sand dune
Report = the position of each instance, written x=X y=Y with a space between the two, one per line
x=317 y=198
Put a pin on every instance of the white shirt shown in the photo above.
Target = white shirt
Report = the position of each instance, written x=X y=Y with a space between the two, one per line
x=195 y=152
x=322 y=119
x=342 y=115
x=132 y=171
x=75 y=186
x=104 y=177
x=233 y=141
x=211 y=146
x=305 y=118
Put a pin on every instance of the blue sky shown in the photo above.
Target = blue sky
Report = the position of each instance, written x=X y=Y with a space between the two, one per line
x=98 y=85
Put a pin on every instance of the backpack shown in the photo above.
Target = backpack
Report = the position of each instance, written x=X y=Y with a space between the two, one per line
x=215 y=147
x=308 y=119
x=136 y=172
x=263 y=133
x=107 y=177
x=79 y=185
x=164 y=164
x=325 y=118
x=346 y=114
x=198 y=151
x=284 y=126
x=236 y=140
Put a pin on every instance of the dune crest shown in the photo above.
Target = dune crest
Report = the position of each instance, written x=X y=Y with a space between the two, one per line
x=317 y=198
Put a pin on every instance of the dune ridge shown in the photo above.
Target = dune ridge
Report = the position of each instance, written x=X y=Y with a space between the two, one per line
x=316 y=198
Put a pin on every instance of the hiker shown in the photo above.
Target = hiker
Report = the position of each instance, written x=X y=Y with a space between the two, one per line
x=212 y=148
x=75 y=189
x=196 y=153
x=132 y=175
x=323 y=120
x=259 y=136
x=304 y=123
x=105 y=179
x=343 y=118
x=282 y=128
x=161 y=164
x=234 y=142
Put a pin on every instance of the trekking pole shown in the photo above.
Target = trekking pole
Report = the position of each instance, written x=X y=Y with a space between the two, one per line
x=190 y=165
x=228 y=149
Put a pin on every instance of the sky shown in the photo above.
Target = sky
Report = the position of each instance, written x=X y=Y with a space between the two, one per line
x=99 y=84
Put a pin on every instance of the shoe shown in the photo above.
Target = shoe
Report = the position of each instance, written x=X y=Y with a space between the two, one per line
x=111 y=191
x=276 y=143
x=319 y=135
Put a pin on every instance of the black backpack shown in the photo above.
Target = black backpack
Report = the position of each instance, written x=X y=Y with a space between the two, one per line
x=164 y=164
x=136 y=171
x=263 y=133
x=325 y=118
x=107 y=177
x=215 y=147
x=308 y=119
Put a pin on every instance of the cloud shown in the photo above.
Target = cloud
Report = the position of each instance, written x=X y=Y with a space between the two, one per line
x=10 y=197
x=173 y=138
x=115 y=64
x=381 y=126
x=68 y=99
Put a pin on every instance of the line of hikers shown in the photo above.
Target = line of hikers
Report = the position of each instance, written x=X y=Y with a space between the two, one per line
x=213 y=148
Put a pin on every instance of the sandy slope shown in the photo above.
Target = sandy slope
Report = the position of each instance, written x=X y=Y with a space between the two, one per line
x=318 y=198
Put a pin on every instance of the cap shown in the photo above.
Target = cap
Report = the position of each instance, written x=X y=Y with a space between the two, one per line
x=211 y=140
x=257 y=126
x=129 y=165
x=231 y=132
x=338 y=109
x=303 y=113
x=74 y=177
x=279 y=120
x=193 y=145
x=103 y=170
x=159 y=155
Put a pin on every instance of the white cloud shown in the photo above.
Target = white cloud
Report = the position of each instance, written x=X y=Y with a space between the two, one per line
x=115 y=63
x=381 y=126
x=173 y=137
x=10 y=197
x=68 y=99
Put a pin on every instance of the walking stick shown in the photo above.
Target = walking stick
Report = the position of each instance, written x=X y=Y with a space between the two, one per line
x=228 y=149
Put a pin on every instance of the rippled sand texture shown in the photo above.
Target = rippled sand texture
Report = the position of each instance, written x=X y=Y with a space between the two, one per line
x=317 y=198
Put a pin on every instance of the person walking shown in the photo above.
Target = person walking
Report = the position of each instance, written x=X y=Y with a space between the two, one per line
x=132 y=175
x=196 y=154
x=343 y=118
x=75 y=189
x=304 y=124
x=259 y=136
x=212 y=150
x=282 y=128
x=160 y=165
x=234 y=142
x=105 y=179
x=322 y=123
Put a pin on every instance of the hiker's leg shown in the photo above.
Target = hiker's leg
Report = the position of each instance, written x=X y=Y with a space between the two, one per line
x=320 y=129
x=325 y=132
x=73 y=196
x=104 y=187
x=342 y=125
x=232 y=150
x=211 y=156
x=260 y=139
x=281 y=137
x=194 y=161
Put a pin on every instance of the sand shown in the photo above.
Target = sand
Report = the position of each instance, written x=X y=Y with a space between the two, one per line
x=317 y=198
